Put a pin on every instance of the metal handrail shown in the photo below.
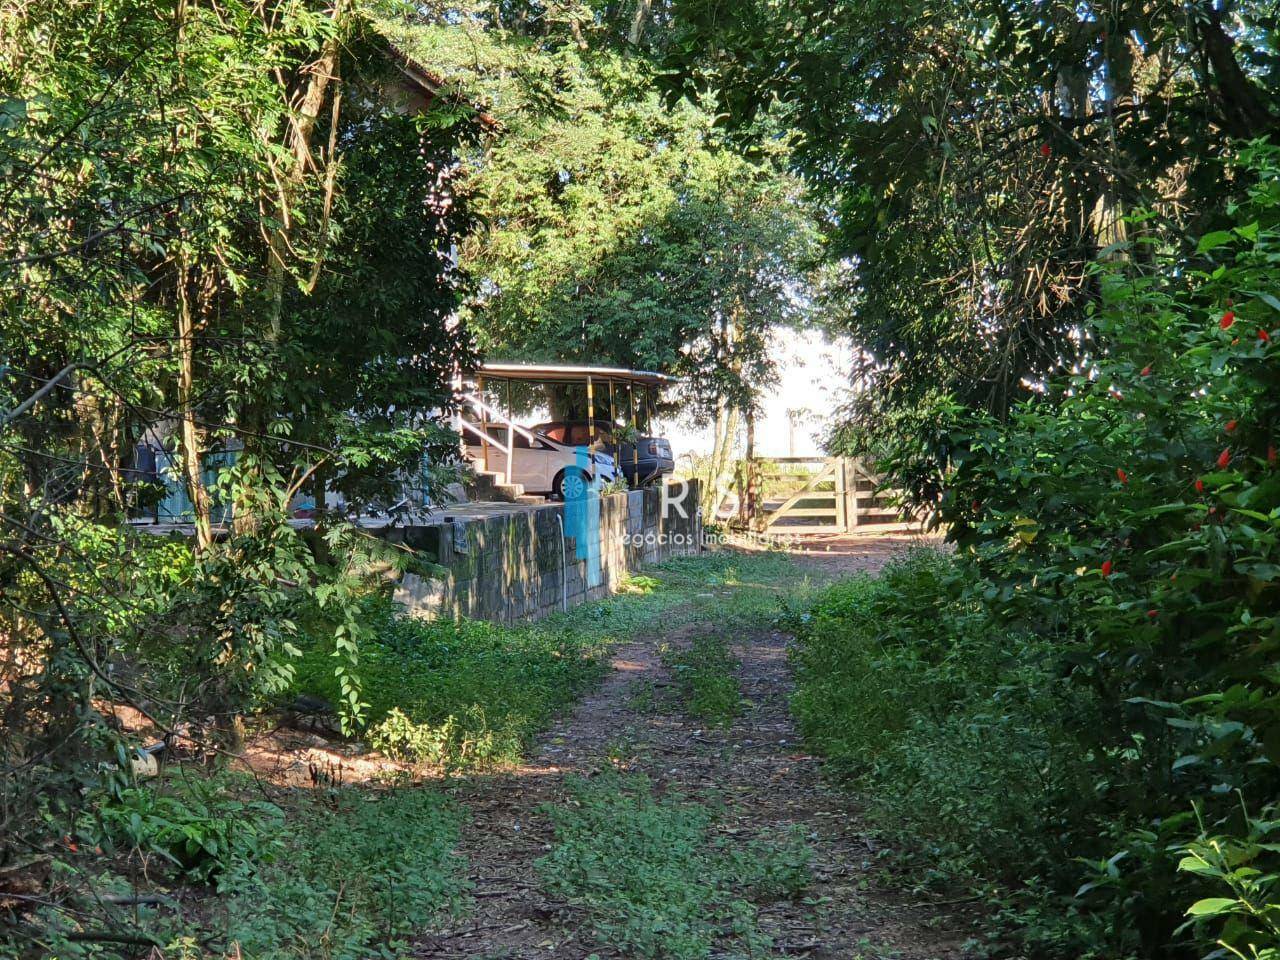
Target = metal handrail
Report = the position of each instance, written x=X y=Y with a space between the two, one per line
x=498 y=415
x=484 y=437
x=486 y=440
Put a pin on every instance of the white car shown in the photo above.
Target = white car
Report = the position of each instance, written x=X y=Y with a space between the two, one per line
x=542 y=465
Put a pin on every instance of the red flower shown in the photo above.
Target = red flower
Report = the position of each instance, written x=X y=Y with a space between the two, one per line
x=1231 y=425
x=1045 y=150
x=1146 y=371
x=976 y=506
x=1264 y=337
x=1153 y=614
x=1224 y=459
x=1106 y=568
x=1121 y=475
x=1227 y=320
x=1199 y=485
x=1271 y=455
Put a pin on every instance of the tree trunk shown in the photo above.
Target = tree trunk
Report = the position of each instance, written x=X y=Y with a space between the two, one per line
x=190 y=434
x=719 y=472
x=638 y=21
x=320 y=77
x=751 y=501
x=1242 y=111
x=321 y=73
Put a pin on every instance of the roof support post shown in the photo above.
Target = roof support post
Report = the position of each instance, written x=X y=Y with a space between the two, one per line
x=635 y=431
x=484 y=423
x=511 y=437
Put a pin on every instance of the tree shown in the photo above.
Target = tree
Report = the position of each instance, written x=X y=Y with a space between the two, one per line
x=621 y=229
x=206 y=212
x=978 y=158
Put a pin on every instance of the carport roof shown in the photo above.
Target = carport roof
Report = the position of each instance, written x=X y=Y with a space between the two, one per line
x=566 y=374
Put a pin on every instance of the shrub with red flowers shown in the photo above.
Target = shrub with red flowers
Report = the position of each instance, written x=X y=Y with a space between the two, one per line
x=1161 y=593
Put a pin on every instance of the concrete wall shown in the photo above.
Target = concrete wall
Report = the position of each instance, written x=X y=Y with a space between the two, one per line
x=510 y=566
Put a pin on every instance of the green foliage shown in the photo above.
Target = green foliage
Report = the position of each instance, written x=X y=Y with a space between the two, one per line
x=218 y=228
x=340 y=876
x=655 y=879
x=1105 y=650
x=461 y=694
x=620 y=228
x=704 y=674
x=357 y=873
x=191 y=822
x=977 y=157
x=926 y=704
x=1246 y=921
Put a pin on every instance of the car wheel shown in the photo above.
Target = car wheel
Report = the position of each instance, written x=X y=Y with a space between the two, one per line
x=571 y=485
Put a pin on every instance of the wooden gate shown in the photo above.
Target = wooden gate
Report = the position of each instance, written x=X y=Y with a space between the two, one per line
x=807 y=495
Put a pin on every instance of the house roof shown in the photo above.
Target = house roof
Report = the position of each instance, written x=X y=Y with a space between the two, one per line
x=564 y=373
x=432 y=85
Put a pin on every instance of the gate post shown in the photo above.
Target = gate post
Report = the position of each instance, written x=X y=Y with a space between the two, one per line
x=850 y=474
x=839 y=495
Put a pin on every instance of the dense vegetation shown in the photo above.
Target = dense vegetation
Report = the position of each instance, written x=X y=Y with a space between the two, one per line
x=975 y=159
x=334 y=875
x=337 y=869
x=459 y=694
x=236 y=236
x=1102 y=646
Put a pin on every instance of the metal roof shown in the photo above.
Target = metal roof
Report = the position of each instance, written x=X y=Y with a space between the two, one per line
x=565 y=373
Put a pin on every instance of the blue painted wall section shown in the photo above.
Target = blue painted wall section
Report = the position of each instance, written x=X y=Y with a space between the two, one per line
x=582 y=518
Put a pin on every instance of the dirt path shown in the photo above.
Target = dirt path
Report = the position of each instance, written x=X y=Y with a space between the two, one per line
x=758 y=768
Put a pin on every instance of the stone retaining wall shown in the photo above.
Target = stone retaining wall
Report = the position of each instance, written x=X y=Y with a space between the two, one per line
x=516 y=566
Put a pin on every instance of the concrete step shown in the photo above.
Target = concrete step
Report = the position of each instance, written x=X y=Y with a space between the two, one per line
x=488 y=486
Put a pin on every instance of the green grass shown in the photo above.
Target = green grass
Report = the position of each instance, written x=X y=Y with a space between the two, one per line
x=654 y=878
x=468 y=694
x=358 y=871
x=728 y=588
x=464 y=695
x=341 y=875
x=704 y=676
x=960 y=736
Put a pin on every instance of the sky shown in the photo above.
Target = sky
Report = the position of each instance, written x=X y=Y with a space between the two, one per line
x=813 y=377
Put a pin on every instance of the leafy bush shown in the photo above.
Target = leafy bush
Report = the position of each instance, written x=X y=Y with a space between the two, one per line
x=359 y=871
x=927 y=704
x=652 y=876
x=190 y=822
x=1116 y=608
x=1245 y=915
x=345 y=875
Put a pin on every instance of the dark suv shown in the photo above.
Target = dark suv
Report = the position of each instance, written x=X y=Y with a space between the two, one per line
x=641 y=462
